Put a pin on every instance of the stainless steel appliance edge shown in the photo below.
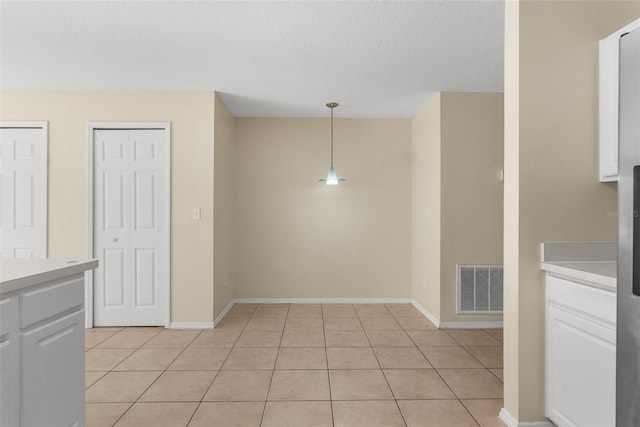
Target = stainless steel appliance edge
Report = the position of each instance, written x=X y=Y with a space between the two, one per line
x=628 y=315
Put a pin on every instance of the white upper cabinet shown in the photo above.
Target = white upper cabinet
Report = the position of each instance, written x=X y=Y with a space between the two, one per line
x=609 y=103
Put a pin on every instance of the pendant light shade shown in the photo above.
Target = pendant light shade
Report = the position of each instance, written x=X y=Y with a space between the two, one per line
x=332 y=178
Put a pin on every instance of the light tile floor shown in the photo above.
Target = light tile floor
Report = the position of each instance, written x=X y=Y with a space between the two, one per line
x=297 y=365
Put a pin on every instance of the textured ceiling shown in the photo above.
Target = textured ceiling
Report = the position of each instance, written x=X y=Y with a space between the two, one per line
x=266 y=59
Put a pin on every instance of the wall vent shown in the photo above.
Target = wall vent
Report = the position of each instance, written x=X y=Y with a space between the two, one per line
x=479 y=289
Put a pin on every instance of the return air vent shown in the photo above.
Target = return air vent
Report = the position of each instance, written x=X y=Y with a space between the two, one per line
x=479 y=289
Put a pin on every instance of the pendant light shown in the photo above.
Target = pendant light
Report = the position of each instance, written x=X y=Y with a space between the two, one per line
x=332 y=178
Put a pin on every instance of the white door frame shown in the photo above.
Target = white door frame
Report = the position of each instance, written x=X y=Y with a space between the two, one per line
x=165 y=290
x=44 y=125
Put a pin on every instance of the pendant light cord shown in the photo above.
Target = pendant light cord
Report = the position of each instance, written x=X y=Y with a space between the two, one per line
x=331 y=138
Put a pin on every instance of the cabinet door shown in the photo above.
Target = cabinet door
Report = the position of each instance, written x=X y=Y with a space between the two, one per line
x=9 y=363
x=581 y=370
x=53 y=373
x=608 y=99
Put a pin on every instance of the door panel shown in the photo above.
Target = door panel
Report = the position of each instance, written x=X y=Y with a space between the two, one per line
x=23 y=215
x=145 y=278
x=114 y=276
x=23 y=188
x=145 y=206
x=113 y=200
x=129 y=223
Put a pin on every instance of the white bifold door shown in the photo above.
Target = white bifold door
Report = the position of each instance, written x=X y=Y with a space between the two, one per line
x=130 y=229
x=23 y=189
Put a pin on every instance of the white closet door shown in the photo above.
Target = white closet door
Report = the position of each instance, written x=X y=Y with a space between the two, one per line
x=23 y=187
x=111 y=223
x=128 y=227
x=148 y=220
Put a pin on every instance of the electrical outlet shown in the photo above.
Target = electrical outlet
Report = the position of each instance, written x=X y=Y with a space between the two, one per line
x=195 y=213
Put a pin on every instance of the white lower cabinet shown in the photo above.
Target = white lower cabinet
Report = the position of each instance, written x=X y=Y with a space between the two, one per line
x=51 y=380
x=42 y=355
x=9 y=360
x=580 y=354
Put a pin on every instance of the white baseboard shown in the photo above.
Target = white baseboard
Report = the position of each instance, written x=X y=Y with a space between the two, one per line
x=223 y=313
x=456 y=325
x=323 y=300
x=471 y=325
x=426 y=313
x=508 y=419
x=191 y=325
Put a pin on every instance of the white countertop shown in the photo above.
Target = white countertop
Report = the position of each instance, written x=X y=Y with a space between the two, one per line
x=592 y=264
x=16 y=274
x=600 y=274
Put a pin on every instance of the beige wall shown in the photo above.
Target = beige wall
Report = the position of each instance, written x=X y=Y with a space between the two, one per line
x=425 y=205
x=511 y=235
x=552 y=153
x=297 y=238
x=457 y=152
x=472 y=139
x=223 y=208
x=191 y=116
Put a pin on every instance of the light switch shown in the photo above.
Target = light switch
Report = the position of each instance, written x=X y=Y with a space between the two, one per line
x=195 y=213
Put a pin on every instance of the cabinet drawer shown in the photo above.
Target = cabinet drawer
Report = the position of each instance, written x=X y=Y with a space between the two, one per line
x=592 y=303
x=52 y=300
x=8 y=315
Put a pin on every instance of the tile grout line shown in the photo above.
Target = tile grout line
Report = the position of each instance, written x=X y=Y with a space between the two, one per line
x=98 y=343
x=470 y=414
x=432 y=366
x=326 y=355
x=275 y=362
x=142 y=347
x=122 y=415
x=162 y=373
x=137 y=400
x=484 y=368
x=153 y=382
x=479 y=361
x=381 y=370
x=218 y=371
x=438 y=372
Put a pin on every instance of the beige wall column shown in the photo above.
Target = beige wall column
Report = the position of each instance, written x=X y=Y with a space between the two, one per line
x=552 y=191
x=511 y=233
x=224 y=134
x=457 y=149
x=472 y=141
x=425 y=205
